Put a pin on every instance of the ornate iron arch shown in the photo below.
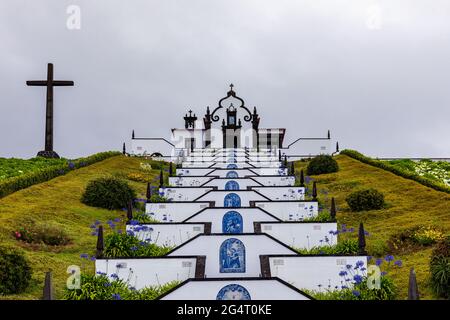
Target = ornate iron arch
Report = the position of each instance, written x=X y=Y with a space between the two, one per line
x=231 y=93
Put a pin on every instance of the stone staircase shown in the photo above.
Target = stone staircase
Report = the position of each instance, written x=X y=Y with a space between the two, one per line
x=234 y=217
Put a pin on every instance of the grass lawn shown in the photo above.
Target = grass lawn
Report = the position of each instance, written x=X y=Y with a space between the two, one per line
x=58 y=202
x=408 y=204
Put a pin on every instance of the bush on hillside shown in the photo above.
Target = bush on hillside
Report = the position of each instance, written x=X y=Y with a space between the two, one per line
x=322 y=164
x=440 y=269
x=109 y=193
x=32 y=232
x=366 y=199
x=15 y=272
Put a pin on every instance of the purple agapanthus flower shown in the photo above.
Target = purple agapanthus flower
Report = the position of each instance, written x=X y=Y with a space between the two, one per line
x=84 y=256
x=357 y=278
x=398 y=263
x=389 y=258
x=356 y=293
x=116 y=296
x=378 y=262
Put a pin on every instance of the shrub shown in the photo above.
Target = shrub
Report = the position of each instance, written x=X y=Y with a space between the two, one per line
x=366 y=199
x=440 y=269
x=15 y=273
x=109 y=193
x=405 y=173
x=158 y=198
x=344 y=247
x=359 y=291
x=322 y=164
x=323 y=216
x=139 y=177
x=100 y=287
x=412 y=239
x=10 y=185
x=121 y=245
x=32 y=232
x=427 y=235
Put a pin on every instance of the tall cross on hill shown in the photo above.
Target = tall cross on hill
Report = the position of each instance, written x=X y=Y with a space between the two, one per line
x=49 y=83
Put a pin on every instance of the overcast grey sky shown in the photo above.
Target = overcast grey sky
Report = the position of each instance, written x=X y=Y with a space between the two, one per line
x=376 y=73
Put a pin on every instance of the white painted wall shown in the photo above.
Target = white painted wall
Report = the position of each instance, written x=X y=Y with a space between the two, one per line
x=188 y=181
x=302 y=235
x=219 y=196
x=198 y=172
x=282 y=193
x=270 y=171
x=147 y=147
x=309 y=272
x=140 y=273
x=215 y=216
x=173 y=211
x=259 y=289
x=195 y=164
x=166 y=234
x=183 y=193
x=309 y=147
x=256 y=245
x=262 y=164
x=275 y=180
x=291 y=211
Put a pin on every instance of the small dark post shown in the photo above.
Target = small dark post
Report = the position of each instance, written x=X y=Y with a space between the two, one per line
x=361 y=240
x=132 y=135
x=292 y=169
x=329 y=135
x=337 y=146
x=130 y=210
x=285 y=161
x=333 y=209
x=170 y=169
x=100 y=245
x=314 y=191
x=124 y=151
x=48 y=287
x=413 y=290
x=302 y=179
x=149 y=192
x=161 y=179
x=279 y=155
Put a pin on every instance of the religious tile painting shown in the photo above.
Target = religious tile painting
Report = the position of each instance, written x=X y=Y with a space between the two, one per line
x=232 y=222
x=232 y=200
x=232 y=174
x=232 y=256
x=232 y=185
x=233 y=292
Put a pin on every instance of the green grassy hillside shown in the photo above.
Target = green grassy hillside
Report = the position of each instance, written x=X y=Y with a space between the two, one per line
x=409 y=204
x=58 y=202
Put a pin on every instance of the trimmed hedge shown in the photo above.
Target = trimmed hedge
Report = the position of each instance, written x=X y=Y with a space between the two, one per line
x=395 y=170
x=14 y=184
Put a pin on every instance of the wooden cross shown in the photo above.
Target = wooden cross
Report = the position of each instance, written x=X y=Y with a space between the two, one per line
x=49 y=83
